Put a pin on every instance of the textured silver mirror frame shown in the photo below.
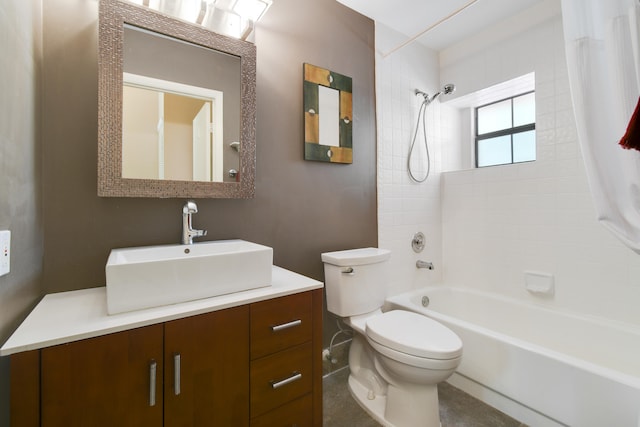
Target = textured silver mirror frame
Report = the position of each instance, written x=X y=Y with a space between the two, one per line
x=112 y=17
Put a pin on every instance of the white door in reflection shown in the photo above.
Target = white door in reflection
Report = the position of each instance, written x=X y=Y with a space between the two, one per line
x=171 y=131
x=202 y=144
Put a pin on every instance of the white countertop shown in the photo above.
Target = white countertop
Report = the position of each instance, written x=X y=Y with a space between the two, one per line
x=71 y=316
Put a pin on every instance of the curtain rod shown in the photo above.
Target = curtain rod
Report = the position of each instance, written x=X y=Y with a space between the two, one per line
x=431 y=27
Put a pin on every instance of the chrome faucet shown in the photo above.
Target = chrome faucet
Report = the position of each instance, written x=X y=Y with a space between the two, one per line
x=188 y=233
x=424 y=264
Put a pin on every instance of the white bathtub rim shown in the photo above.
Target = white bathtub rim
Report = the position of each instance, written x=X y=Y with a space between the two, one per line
x=401 y=300
x=535 y=302
x=616 y=324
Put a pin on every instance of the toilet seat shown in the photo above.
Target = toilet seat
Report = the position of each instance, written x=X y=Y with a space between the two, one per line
x=404 y=333
x=415 y=361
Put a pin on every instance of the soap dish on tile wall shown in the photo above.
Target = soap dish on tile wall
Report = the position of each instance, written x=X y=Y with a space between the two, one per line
x=539 y=283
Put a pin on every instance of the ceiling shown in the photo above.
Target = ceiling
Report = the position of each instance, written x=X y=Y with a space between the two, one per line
x=411 y=17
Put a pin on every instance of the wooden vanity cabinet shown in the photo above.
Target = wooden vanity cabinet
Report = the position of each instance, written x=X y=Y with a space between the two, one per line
x=103 y=381
x=207 y=372
x=187 y=372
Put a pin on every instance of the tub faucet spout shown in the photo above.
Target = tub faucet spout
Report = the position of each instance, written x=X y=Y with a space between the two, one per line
x=188 y=232
x=424 y=264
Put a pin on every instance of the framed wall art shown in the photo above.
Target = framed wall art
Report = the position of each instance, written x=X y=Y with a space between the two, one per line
x=328 y=116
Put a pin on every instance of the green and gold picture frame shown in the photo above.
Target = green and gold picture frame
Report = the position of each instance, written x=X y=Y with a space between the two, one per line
x=328 y=116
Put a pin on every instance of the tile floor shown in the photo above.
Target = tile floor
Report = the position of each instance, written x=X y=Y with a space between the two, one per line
x=457 y=408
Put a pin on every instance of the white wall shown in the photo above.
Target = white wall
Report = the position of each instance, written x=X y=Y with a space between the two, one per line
x=406 y=207
x=485 y=227
x=500 y=221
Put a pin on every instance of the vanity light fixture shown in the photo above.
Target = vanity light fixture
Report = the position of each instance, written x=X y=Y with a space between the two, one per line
x=206 y=11
x=233 y=18
x=227 y=22
x=239 y=19
x=152 y=4
x=196 y=11
x=252 y=9
x=188 y=10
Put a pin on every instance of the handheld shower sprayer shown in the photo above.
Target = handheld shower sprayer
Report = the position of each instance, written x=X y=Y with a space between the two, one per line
x=424 y=95
x=449 y=88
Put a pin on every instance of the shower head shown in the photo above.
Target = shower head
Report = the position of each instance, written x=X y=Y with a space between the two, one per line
x=449 y=88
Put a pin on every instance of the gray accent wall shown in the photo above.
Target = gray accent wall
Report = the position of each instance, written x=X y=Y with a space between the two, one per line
x=63 y=232
x=301 y=208
x=20 y=169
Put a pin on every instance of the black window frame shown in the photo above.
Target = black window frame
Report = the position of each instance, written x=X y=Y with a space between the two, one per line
x=503 y=132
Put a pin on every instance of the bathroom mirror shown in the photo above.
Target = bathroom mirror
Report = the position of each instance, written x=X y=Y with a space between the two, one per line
x=328 y=118
x=176 y=107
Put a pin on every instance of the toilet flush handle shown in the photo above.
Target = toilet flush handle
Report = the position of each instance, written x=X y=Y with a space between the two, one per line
x=349 y=271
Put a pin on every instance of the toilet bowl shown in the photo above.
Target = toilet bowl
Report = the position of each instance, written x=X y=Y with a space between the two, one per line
x=396 y=358
x=399 y=357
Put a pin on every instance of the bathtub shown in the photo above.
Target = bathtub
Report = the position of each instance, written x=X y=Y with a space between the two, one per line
x=541 y=366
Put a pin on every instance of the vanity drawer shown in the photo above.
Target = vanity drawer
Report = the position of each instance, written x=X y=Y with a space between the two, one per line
x=280 y=378
x=298 y=413
x=280 y=323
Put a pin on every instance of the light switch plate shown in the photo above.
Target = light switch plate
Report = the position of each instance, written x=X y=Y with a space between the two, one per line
x=5 y=252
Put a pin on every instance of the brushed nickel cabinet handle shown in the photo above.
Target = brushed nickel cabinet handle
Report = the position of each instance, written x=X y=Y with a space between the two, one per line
x=152 y=382
x=286 y=325
x=176 y=374
x=295 y=376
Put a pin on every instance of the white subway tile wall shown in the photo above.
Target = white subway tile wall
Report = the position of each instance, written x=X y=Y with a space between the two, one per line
x=406 y=207
x=485 y=227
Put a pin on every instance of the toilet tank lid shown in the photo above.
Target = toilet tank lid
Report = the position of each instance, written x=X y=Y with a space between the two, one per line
x=356 y=256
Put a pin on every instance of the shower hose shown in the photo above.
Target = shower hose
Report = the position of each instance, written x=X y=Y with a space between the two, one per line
x=421 y=115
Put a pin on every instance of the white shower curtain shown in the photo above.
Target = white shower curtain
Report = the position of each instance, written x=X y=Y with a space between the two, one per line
x=603 y=58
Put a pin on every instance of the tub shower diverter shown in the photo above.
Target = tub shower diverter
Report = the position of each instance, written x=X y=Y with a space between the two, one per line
x=153 y=276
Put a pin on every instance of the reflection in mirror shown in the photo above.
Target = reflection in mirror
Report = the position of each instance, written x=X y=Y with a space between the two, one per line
x=176 y=108
x=167 y=65
x=172 y=131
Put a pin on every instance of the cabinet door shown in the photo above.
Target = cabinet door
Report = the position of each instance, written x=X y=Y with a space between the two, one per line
x=104 y=381
x=24 y=378
x=207 y=369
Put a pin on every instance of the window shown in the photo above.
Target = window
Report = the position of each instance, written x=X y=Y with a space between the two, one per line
x=506 y=131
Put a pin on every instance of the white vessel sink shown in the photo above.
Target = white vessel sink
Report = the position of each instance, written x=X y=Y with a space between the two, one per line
x=153 y=276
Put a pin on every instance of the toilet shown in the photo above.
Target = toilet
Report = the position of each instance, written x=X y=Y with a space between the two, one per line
x=397 y=358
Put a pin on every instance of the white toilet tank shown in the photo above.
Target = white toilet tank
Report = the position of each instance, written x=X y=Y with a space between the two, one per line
x=355 y=280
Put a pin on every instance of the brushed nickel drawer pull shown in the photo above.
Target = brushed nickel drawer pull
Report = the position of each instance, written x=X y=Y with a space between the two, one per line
x=294 y=377
x=176 y=374
x=152 y=382
x=286 y=325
